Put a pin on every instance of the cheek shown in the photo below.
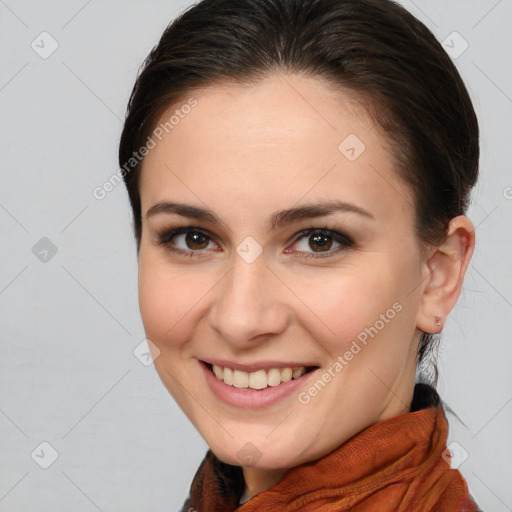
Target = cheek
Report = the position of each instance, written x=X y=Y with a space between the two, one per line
x=344 y=303
x=169 y=299
x=361 y=320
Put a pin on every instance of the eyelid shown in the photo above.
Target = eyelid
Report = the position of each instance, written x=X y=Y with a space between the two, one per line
x=170 y=231
x=337 y=235
x=345 y=242
x=166 y=234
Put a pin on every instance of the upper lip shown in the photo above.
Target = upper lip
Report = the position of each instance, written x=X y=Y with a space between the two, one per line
x=260 y=365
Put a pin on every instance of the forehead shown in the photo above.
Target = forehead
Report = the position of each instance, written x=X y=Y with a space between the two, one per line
x=272 y=143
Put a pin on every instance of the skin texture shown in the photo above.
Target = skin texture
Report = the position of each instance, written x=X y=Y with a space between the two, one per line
x=246 y=152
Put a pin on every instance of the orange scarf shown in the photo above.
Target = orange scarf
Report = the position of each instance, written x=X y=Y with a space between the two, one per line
x=392 y=466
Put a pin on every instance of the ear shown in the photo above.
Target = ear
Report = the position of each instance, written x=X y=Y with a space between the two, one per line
x=444 y=270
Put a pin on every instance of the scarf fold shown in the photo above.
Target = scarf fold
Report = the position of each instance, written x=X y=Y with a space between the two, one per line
x=396 y=465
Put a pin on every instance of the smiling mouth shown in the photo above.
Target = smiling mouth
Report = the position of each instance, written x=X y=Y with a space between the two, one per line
x=260 y=379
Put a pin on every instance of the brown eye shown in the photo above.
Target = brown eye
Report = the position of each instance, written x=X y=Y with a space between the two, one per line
x=185 y=241
x=323 y=242
x=196 y=240
x=319 y=243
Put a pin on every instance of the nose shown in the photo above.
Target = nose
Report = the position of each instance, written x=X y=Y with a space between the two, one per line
x=250 y=305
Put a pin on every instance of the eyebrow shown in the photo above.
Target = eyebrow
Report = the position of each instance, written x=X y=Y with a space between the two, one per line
x=277 y=220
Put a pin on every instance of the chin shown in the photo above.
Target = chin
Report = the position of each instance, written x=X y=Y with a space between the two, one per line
x=260 y=455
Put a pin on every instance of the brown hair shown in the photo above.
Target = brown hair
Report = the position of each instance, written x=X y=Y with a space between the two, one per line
x=374 y=48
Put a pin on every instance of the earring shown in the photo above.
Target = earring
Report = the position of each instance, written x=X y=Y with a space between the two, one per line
x=438 y=321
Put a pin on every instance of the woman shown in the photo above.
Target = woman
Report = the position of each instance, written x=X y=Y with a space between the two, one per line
x=298 y=172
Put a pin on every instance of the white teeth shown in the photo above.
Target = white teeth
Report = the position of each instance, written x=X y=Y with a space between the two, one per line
x=297 y=372
x=286 y=374
x=259 y=379
x=218 y=372
x=227 y=376
x=240 y=379
x=274 y=377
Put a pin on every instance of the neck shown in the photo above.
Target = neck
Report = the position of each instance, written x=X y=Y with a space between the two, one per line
x=258 y=480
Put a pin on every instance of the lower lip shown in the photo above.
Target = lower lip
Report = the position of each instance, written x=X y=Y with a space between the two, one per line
x=248 y=398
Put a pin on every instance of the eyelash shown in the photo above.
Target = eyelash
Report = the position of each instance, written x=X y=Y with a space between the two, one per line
x=165 y=236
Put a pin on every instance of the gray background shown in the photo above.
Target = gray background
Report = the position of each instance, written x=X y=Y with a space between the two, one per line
x=70 y=323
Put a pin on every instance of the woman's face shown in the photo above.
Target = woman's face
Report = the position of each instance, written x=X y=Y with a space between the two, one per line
x=250 y=288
